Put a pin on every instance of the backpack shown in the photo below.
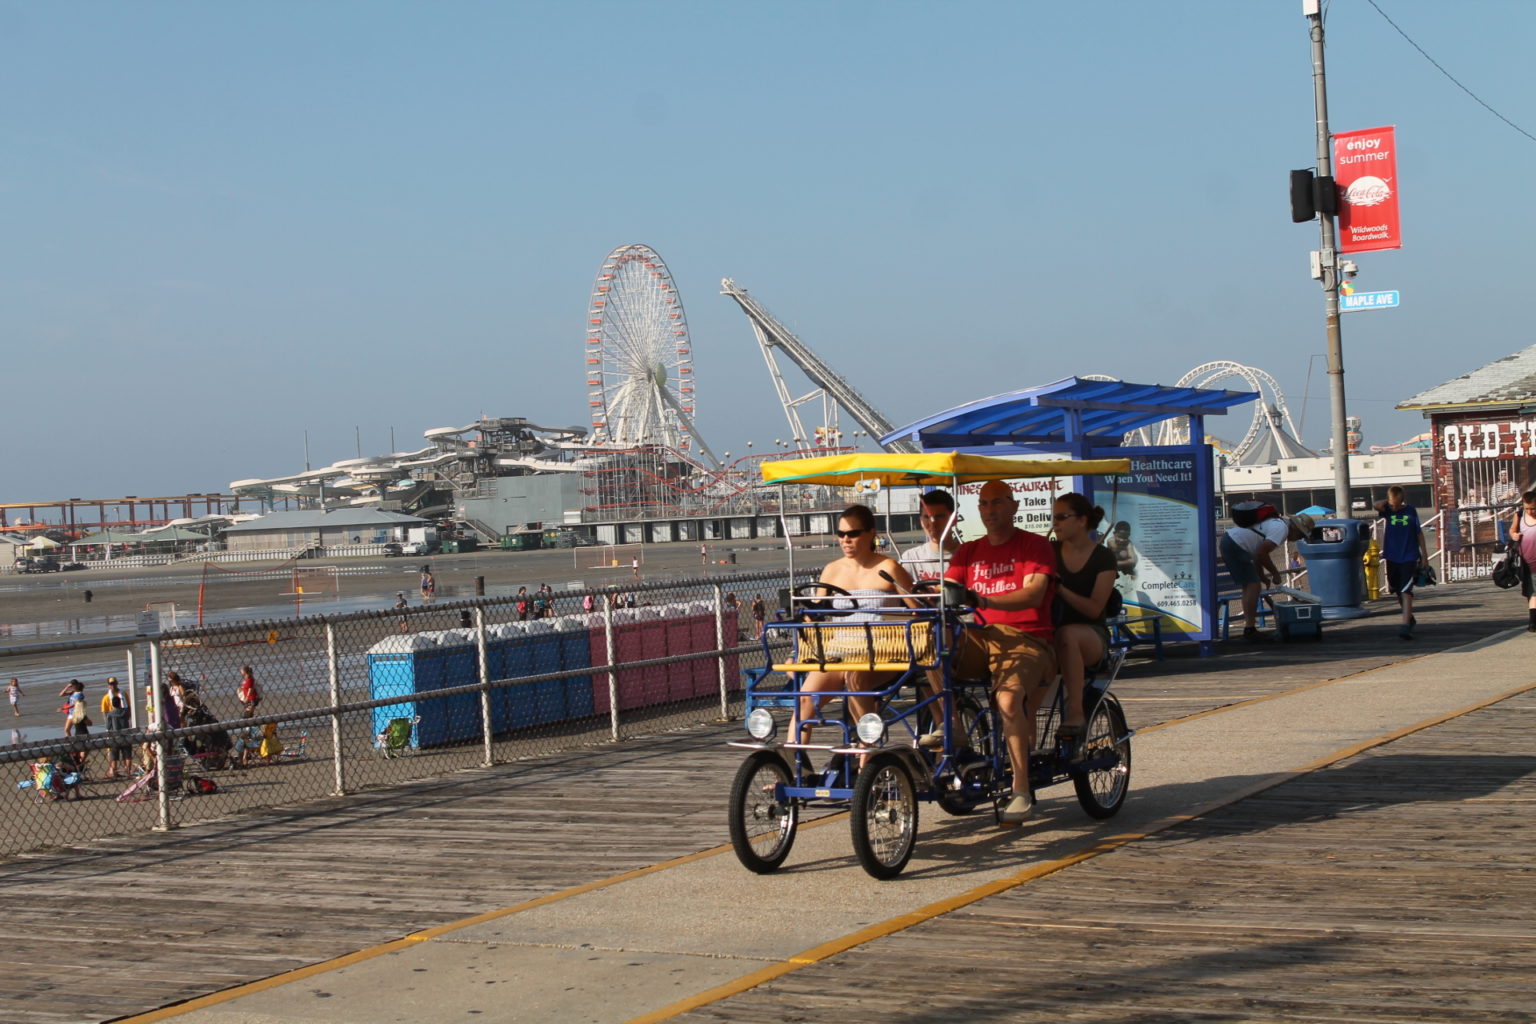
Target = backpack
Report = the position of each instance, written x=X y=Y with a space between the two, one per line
x=1249 y=514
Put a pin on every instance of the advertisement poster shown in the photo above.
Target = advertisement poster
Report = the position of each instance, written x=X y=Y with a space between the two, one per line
x=1035 y=499
x=1153 y=529
x=1365 y=171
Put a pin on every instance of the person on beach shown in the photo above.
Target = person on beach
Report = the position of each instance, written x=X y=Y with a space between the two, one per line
x=1404 y=548
x=759 y=614
x=522 y=604
x=1085 y=574
x=1009 y=575
x=1522 y=530
x=428 y=583
x=76 y=721
x=13 y=691
x=401 y=604
x=250 y=692
x=114 y=712
x=74 y=705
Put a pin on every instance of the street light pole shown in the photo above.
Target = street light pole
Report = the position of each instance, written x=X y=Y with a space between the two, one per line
x=1328 y=264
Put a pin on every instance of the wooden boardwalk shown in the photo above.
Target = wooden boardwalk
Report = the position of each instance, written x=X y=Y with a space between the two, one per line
x=1395 y=886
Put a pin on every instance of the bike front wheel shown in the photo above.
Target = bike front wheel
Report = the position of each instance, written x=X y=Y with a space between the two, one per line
x=762 y=822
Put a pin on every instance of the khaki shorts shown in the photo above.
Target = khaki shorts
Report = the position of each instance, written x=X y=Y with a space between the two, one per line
x=1015 y=659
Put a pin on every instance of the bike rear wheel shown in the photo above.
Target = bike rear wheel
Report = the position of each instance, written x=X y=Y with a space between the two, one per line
x=1106 y=779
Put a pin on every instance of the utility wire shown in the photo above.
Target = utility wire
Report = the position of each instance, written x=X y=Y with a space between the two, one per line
x=1447 y=74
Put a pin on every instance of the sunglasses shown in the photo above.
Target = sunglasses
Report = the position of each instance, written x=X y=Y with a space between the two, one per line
x=1059 y=516
x=850 y=533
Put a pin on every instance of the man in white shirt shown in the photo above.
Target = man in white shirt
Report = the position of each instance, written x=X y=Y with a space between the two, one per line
x=923 y=561
x=1248 y=552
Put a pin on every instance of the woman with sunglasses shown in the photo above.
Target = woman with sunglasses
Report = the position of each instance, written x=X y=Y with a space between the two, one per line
x=861 y=571
x=1085 y=572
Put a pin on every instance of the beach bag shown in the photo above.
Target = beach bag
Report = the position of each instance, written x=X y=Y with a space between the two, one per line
x=1249 y=514
x=1506 y=571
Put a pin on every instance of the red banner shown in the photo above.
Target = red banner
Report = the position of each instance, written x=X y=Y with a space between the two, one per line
x=1365 y=170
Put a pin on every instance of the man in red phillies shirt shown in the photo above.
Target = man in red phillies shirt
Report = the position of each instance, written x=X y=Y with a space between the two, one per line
x=1011 y=571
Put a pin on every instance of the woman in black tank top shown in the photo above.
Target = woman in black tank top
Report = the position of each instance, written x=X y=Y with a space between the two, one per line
x=1085 y=573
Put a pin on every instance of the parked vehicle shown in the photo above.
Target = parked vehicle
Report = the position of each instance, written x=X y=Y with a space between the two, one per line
x=43 y=563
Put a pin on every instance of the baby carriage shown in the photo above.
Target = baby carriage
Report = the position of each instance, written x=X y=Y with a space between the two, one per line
x=211 y=749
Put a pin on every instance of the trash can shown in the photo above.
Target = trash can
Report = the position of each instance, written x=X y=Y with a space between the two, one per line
x=1335 y=555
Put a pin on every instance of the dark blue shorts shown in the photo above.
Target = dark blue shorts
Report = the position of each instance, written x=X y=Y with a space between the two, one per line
x=1239 y=562
x=1400 y=577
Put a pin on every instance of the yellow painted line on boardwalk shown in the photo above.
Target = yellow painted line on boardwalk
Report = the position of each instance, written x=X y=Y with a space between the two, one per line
x=816 y=954
x=428 y=934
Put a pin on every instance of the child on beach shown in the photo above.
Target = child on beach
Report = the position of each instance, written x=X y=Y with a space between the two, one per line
x=13 y=691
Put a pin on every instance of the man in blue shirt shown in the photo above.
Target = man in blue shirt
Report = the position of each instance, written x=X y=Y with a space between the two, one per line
x=1403 y=547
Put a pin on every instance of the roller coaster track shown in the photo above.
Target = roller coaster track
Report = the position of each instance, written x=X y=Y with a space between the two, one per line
x=772 y=334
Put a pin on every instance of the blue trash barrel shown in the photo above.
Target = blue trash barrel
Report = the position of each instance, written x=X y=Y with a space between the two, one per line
x=1335 y=555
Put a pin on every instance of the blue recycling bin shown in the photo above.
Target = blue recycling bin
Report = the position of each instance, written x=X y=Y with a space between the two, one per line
x=1335 y=555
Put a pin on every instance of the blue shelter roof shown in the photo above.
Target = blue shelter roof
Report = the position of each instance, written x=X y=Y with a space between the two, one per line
x=1071 y=413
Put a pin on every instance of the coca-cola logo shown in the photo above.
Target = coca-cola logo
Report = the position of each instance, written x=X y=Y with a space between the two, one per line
x=1367 y=191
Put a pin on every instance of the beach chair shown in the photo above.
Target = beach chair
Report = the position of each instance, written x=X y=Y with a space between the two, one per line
x=395 y=739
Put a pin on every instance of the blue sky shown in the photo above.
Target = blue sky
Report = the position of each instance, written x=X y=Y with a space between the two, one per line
x=226 y=224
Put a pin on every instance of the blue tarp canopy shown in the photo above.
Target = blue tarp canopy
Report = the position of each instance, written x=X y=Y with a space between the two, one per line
x=1070 y=415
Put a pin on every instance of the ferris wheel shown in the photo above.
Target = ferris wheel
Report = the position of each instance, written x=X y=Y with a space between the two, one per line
x=1269 y=411
x=640 y=383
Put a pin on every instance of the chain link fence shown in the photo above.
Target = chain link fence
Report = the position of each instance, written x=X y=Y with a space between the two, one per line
x=374 y=699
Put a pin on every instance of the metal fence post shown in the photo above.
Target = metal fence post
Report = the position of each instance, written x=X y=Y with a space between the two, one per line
x=334 y=666
x=133 y=692
x=613 y=675
x=163 y=738
x=485 y=681
x=720 y=647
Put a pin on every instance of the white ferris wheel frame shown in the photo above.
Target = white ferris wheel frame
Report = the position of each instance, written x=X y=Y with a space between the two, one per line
x=641 y=387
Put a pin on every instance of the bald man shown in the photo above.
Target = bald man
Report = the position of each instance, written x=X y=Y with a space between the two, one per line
x=1011 y=572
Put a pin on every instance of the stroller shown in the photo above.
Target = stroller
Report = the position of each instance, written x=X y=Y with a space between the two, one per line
x=211 y=749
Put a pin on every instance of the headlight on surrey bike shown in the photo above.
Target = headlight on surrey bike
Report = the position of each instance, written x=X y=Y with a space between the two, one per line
x=871 y=729
x=760 y=724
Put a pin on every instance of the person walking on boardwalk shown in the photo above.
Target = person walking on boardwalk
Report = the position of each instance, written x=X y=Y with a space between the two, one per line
x=1522 y=530
x=13 y=692
x=1009 y=574
x=1403 y=547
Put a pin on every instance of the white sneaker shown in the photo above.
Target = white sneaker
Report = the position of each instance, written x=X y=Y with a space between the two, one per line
x=931 y=739
x=1018 y=809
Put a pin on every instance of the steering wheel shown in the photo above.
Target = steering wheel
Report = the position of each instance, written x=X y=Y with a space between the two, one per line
x=956 y=595
x=820 y=592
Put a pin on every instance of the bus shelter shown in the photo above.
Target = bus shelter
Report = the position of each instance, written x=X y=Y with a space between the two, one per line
x=1161 y=516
